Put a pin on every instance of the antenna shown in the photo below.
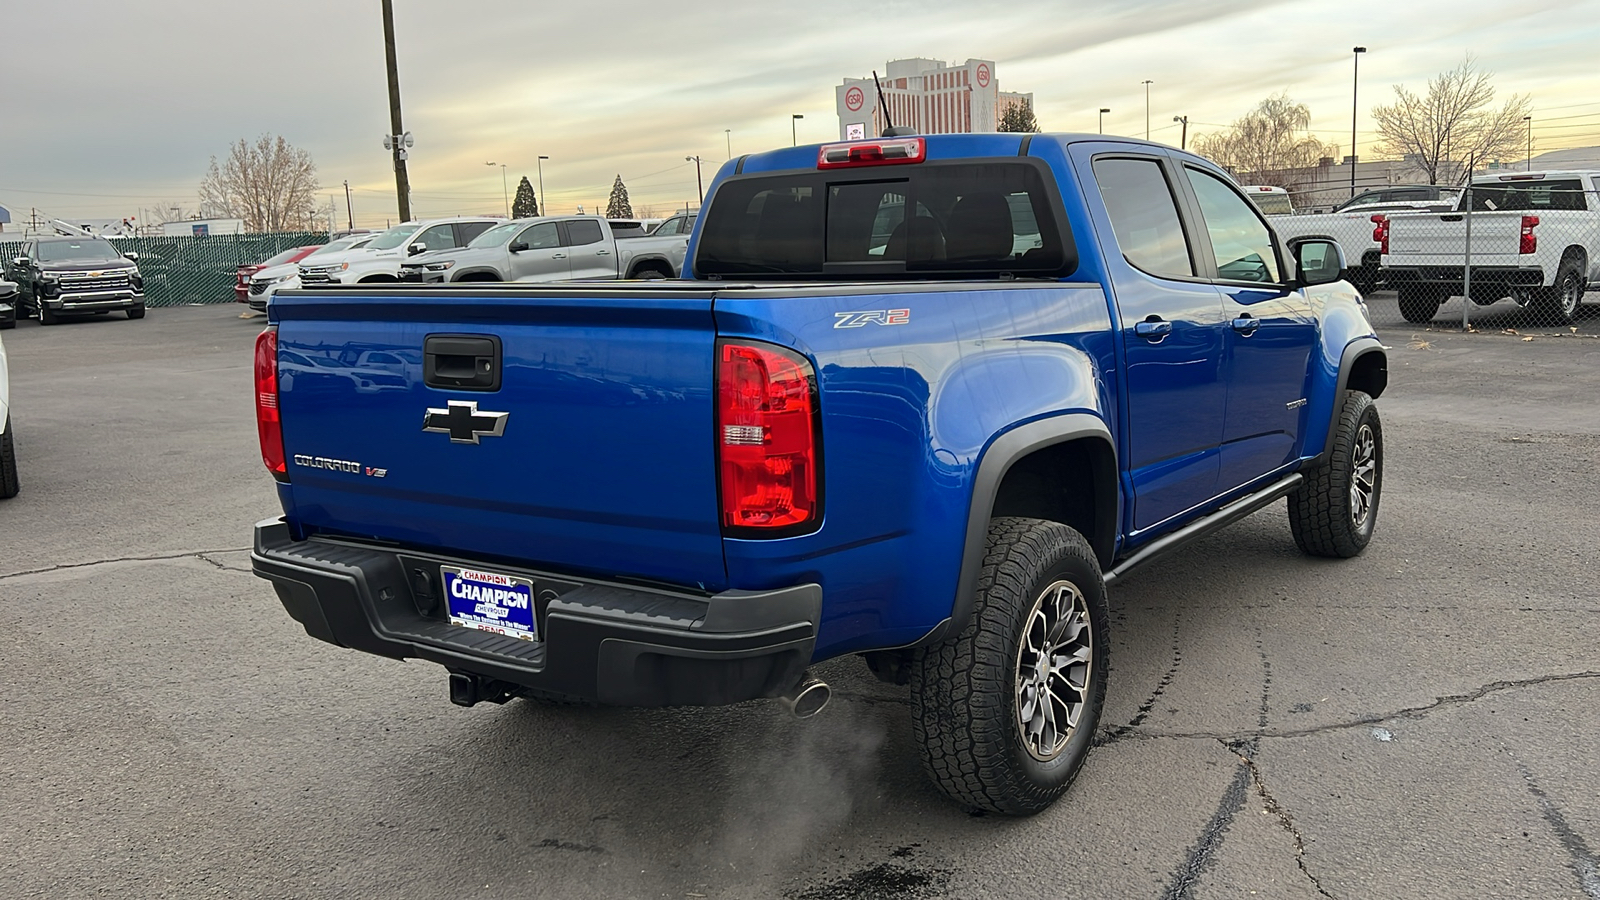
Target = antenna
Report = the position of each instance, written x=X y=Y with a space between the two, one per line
x=889 y=129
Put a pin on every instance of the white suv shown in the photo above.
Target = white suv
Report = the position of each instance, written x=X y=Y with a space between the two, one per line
x=380 y=260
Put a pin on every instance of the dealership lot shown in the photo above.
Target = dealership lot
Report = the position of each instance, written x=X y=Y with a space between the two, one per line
x=1416 y=722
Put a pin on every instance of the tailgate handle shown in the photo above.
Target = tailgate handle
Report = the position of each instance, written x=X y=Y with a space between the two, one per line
x=461 y=362
x=1449 y=218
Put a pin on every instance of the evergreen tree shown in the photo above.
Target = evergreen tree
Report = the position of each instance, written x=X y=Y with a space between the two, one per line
x=1019 y=117
x=525 y=204
x=619 y=207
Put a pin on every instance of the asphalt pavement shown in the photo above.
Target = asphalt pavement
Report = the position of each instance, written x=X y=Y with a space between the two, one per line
x=1415 y=723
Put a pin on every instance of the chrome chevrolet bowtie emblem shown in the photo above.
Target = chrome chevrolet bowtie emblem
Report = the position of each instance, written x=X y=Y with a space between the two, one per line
x=461 y=420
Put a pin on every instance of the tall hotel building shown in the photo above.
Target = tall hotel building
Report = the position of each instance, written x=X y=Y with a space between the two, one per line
x=928 y=95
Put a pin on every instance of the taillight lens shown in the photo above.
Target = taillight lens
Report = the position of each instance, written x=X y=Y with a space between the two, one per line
x=887 y=152
x=268 y=426
x=1530 y=241
x=1380 y=232
x=767 y=438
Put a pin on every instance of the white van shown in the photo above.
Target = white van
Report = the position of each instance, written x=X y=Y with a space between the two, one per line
x=1272 y=201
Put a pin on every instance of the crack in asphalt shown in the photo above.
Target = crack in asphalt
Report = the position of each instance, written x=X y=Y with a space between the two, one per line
x=1286 y=821
x=1161 y=686
x=1410 y=712
x=1584 y=864
x=202 y=555
x=188 y=554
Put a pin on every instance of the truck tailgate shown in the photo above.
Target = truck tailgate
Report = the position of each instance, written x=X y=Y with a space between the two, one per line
x=1440 y=238
x=594 y=452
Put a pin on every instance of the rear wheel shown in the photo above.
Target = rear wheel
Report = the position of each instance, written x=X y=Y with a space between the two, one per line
x=9 y=486
x=1419 y=302
x=1558 y=304
x=1005 y=711
x=1334 y=510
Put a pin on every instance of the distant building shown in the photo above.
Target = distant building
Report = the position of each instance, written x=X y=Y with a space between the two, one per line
x=927 y=95
x=202 y=227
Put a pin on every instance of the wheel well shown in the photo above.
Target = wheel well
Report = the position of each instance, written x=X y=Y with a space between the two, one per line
x=1578 y=254
x=1074 y=483
x=478 y=276
x=375 y=279
x=651 y=265
x=1369 y=374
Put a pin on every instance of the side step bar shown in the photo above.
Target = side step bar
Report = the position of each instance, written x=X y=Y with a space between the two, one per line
x=1199 y=528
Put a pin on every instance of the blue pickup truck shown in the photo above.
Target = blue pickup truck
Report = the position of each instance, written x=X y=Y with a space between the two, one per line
x=916 y=399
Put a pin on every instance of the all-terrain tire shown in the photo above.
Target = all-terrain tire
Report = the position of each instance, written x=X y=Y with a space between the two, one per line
x=965 y=703
x=9 y=485
x=1335 y=509
x=136 y=312
x=1558 y=304
x=1419 y=302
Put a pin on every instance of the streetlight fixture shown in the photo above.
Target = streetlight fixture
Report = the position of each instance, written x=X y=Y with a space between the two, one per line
x=1183 y=141
x=1147 y=82
x=697 y=182
x=504 y=192
x=1529 y=120
x=728 y=133
x=1355 y=84
x=793 y=140
x=544 y=202
x=1103 y=111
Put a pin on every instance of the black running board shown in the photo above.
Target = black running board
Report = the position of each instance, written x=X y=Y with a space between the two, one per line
x=1199 y=528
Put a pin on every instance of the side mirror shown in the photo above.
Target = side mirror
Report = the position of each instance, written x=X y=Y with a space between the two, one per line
x=131 y=256
x=1318 y=261
x=21 y=261
x=518 y=247
x=418 y=248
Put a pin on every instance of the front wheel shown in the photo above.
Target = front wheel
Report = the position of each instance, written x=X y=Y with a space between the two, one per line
x=136 y=312
x=9 y=485
x=47 y=316
x=1334 y=510
x=1005 y=711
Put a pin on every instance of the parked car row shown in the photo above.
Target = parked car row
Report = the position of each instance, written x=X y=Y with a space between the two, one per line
x=557 y=248
x=67 y=276
x=269 y=279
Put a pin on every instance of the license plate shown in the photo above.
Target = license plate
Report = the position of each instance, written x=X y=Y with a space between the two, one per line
x=490 y=601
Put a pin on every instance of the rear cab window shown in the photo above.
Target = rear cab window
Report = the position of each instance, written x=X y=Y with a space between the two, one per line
x=1529 y=196
x=968 y=218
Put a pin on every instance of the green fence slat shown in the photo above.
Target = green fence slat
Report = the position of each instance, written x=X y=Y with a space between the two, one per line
x=187 y=269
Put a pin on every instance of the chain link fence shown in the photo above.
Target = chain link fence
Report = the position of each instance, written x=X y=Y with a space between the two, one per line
x=180 y=270
x=1518 y=254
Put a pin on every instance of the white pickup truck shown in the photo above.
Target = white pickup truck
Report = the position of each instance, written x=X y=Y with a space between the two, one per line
x=554 y=248
x=1357 y=225
x=380 y=259
x=1535 y=238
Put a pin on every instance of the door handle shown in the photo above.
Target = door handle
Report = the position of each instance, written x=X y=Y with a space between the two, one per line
x=558 y=256
x=602 y=252
x=1153 y=329
x=1246 y=324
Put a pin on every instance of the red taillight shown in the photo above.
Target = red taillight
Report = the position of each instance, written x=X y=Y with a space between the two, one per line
x=874 y=153
x=766 y=437
x=1530 y=241
x=1380 y=232
x=268 y=426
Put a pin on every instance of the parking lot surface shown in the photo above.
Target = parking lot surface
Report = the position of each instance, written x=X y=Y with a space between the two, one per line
x=1417 y=722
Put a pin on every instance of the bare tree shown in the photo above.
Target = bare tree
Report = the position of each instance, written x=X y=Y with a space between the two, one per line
x=270 y=184
x=1271 y=144
x=1456 y=120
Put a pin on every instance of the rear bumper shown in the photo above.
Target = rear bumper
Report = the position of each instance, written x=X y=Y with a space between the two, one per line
x=601 y=641
x=1516 y=276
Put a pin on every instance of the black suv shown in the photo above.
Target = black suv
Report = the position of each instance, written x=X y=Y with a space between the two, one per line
x=62 y=276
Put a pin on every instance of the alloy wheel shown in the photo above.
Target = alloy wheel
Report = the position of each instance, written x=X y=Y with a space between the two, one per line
x=1054 y=661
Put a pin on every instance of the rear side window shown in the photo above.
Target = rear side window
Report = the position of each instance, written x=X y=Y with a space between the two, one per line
x=438 y=237
x=1144 y=215
x=968 y=217
x=584 y=231
x=1529 y=196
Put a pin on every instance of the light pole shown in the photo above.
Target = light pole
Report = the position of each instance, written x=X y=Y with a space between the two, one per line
x=793 y=140
x=1183 y=141
x=402 y=183
x=1355 y=84
x=503 y=191
x=1529 y=120
x=544 y=202
x=349 y=208
x=1147 y=82
x=728 y=133
x=697 y=182
x=1103 y=111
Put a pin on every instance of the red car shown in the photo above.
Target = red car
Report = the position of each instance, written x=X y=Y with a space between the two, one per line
x=241 y=281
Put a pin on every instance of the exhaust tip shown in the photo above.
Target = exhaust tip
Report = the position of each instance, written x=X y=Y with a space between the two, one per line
x=807 y=698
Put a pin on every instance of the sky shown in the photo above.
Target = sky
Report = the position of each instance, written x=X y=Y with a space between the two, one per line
x=111 y=109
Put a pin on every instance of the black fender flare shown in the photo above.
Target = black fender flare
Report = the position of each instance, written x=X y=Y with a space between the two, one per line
x=997 y=460
x=480 y=270
x=1354 y=351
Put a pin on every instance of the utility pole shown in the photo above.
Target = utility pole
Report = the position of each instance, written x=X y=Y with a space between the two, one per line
x=1529 y=120
x=542 y=207
x=1355 y=83
x=1147 y=82
x=1103 y=111
x=402 y=184
x=728 y=133
x=697 y=182
x=1183 y=142
x=349 y=207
